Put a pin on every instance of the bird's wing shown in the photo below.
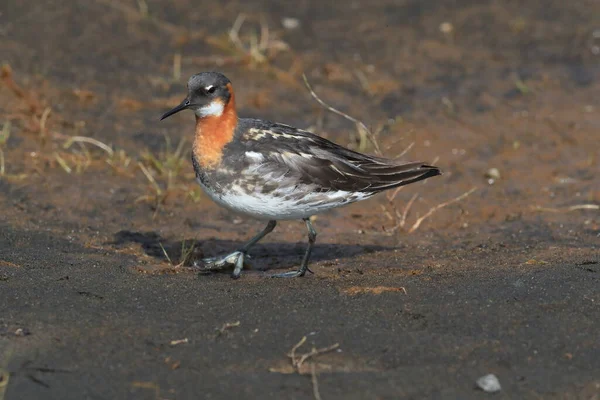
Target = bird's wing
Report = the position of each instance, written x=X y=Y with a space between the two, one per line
x=279 y=151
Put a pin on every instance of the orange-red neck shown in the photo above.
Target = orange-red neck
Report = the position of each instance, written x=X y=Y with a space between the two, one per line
x=213 y=133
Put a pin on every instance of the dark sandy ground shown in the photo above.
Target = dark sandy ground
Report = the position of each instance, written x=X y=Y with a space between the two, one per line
x=503 y=281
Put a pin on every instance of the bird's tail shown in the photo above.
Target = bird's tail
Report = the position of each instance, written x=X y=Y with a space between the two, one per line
x=389 y=175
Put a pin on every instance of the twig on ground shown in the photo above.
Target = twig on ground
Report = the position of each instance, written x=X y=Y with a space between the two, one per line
x=227 y=326
x=315 y=382
x=179 y=341
x=438 y=207
x=298 y=361
x=292 y=353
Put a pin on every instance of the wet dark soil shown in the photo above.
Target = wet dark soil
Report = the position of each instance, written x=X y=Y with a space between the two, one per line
x=503 y=281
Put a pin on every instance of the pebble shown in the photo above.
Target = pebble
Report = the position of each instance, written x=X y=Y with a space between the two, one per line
x=290 y=23
x=489 y=383
x=492 y=173
x=446 y=27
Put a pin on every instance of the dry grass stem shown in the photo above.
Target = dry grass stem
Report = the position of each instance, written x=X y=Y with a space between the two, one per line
x=165 y=253
x=119 y=161
x=85 y=139
x=359 y=124
x=567 y=209
x=363 y=80
x=257 y=46
x=393 y=195
x=406 y=150
x=261 y=45
x=4 y=135
x=187 y=253
x=186 y=256
x=406 y=209
x=235 y=31
x=43 y=120
x=61 y=161
x=150 y=178
x=438 y=207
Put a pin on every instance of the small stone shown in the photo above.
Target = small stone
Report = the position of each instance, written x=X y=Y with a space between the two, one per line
x=489 y=383
x=22 y=332
x=290 y=23
x=493 y=173
x=446 y=27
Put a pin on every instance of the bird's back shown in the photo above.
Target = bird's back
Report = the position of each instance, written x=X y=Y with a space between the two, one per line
x=318 y=161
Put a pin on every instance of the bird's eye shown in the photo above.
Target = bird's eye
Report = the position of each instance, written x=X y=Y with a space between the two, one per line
x=187 y=102
x=211 y=89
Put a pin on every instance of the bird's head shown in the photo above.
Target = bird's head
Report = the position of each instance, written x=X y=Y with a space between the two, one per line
x=208 y=95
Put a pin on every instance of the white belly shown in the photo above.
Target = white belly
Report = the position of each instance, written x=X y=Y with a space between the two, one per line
x=279 y=205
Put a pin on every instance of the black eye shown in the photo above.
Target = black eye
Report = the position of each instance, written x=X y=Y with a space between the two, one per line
x=211 y=89
x=187 y=102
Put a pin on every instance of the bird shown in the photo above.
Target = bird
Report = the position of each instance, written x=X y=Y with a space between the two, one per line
x=272 y=172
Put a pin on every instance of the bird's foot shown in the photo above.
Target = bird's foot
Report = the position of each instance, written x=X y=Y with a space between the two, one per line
x=292 y=274
x=237 y=260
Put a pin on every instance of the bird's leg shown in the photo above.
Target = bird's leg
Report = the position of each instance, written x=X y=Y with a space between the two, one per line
x=268 y=229
x=312 y=237
x=236 y=258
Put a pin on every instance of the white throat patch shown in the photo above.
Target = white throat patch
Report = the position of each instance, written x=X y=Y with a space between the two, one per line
x=214 y=109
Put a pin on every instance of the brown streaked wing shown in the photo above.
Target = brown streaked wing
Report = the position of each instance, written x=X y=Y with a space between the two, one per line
x=302 y=157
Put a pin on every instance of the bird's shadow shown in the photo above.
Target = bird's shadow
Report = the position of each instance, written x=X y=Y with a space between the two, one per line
x=269 y=254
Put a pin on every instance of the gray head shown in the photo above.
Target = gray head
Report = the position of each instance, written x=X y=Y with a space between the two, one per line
x=208 y=94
